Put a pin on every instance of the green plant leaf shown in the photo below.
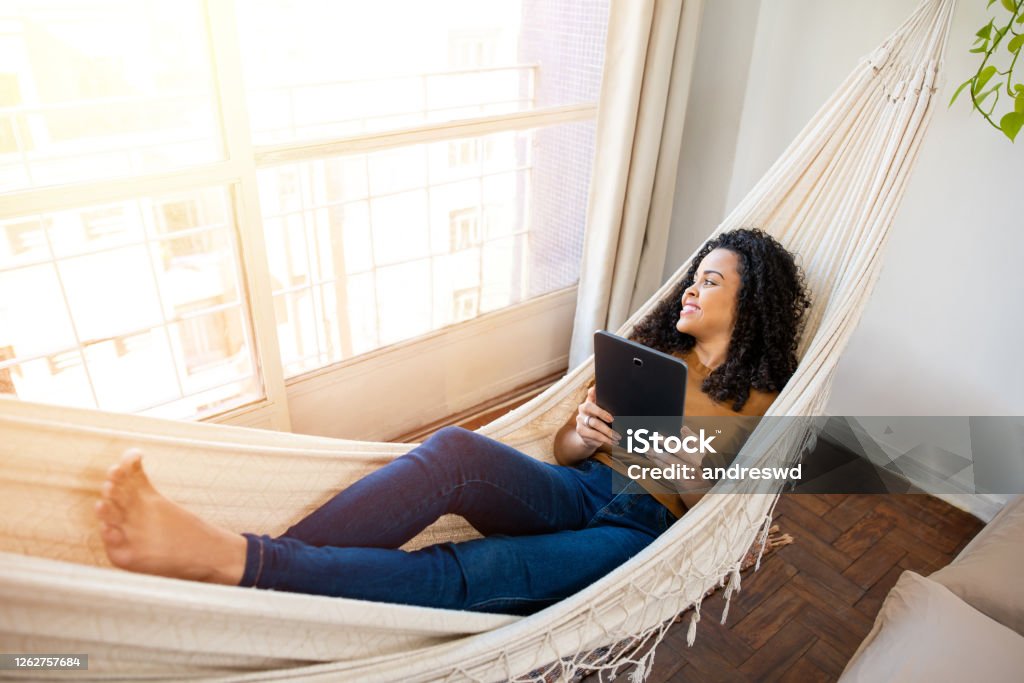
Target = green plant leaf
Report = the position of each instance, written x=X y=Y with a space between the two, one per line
x=959 y=90
x=979 y=50
x=1011 y=123
x=984 y=96
x=998 y=36
x=1015 y=44
x=1019 y=88
x=1018 y=103
x=985 y=31
x=1010 y=5
x=982 y=78
x=990 y=3
x=1020 y=19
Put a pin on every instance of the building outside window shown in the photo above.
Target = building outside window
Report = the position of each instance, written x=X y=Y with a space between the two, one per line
x=464 y=228
x=465 y=304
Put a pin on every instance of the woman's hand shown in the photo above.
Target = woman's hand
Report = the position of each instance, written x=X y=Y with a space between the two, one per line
x=695 y=485
x=683 y=457
x=593 y=423
x=578 y=438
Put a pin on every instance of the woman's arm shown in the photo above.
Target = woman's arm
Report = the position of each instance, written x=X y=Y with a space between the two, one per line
x=569 y=446
x=585 y=432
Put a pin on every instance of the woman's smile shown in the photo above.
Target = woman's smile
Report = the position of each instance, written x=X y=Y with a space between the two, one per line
x=689 y=308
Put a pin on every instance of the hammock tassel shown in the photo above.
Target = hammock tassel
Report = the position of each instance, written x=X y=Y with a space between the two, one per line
x=734 y=587
x=734 y=581
x=691 y=632
x=642 y=668
x=776 y=541
x=762 y=540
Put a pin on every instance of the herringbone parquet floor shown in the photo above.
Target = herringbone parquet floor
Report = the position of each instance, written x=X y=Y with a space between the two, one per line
x=801 y=616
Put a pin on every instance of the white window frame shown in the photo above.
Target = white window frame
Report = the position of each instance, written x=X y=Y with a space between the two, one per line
x=287 y=404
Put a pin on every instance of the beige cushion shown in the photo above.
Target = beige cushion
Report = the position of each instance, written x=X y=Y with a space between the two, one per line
x=987 y=574
x=925 y=633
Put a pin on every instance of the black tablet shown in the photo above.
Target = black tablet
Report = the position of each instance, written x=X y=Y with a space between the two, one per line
x=641 y=388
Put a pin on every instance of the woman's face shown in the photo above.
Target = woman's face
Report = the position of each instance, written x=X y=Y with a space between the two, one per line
x=708 y=306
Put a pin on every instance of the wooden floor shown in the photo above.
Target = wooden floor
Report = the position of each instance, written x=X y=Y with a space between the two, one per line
x=801 y=616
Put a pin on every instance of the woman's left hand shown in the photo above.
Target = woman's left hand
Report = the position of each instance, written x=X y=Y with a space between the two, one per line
x=691 y=460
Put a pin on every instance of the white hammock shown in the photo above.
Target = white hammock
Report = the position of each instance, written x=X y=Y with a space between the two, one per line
x=831 y=198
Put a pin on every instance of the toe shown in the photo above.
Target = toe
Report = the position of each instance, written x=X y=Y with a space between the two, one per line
x=128 y=464
x=117 y=494
x=117 y=472
x=107 y=512
x=136 y=480
x=112 y=535
x=131 y=460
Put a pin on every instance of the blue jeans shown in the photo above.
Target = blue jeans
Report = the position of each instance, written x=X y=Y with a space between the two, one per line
x=549 y=530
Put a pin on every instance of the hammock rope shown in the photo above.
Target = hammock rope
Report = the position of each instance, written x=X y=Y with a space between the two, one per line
x=831 y=198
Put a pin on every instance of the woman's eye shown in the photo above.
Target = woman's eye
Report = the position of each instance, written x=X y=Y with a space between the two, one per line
x=709 y=282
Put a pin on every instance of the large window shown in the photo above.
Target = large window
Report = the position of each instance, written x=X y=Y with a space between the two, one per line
x=201 y=200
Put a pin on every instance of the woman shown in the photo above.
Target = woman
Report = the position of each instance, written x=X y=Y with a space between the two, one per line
x=549 y=530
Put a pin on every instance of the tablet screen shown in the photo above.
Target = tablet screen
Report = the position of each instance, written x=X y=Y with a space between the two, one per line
x=642 y=388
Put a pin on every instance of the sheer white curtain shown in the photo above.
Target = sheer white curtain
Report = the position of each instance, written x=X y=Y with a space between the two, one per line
x=648 y=65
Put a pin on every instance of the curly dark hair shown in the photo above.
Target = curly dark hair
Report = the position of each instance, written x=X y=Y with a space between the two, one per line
x=769 y=318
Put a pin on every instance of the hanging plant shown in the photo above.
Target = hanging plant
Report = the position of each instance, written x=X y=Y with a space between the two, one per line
x=986 y=86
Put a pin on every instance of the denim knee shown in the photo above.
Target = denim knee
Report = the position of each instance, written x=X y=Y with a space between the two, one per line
x=450 y=443
x=453 y=436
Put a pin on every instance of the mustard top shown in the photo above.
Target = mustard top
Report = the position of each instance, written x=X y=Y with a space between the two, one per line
x=697 y=405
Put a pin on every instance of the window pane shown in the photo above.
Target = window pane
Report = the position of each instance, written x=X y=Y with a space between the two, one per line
x=57 y=379
x=503 y=280
x=212 y=349
x=399 y=226
x=395 y=170
x=111 y=292
x=195 y=272
x=287 y=252
x=121 y=88
x=328 y=68
x=403 y=301
x=33 y=318
x=139 y=300
x=456 y=282
x=120 y=363
x=494 y=221
x=362 y=313
x=95 y=229
x=297 y=331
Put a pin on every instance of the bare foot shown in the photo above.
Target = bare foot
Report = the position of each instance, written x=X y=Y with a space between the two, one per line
x=145 y=532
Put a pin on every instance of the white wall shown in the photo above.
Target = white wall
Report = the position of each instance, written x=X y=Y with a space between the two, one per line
x=944 y=328
x=712 y=124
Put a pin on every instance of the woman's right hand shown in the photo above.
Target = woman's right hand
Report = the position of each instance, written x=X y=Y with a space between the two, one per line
x=593 y=423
